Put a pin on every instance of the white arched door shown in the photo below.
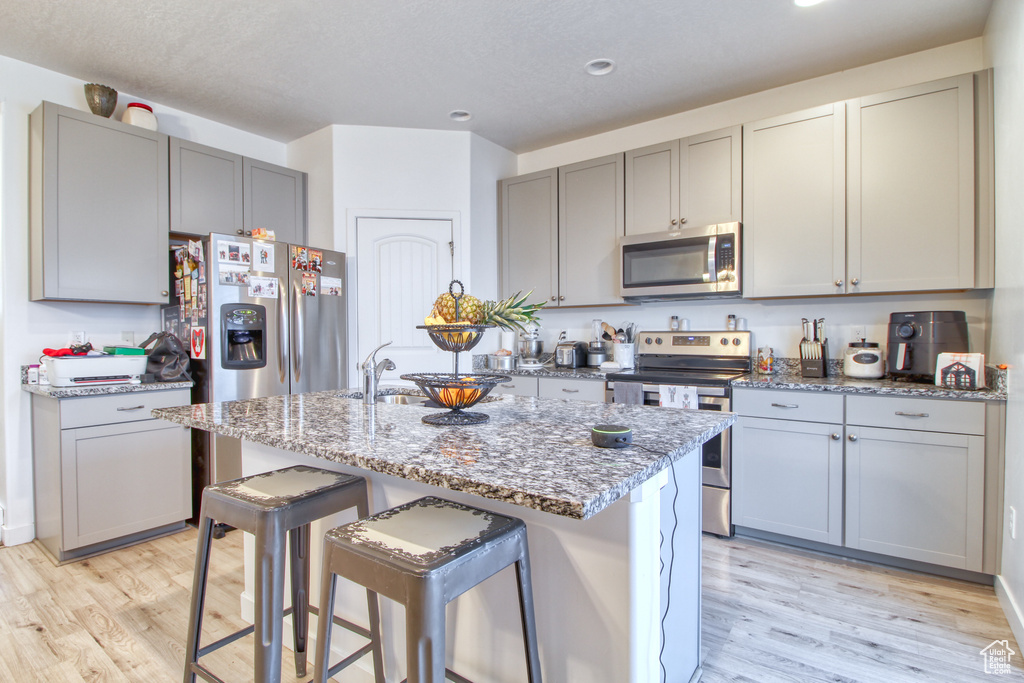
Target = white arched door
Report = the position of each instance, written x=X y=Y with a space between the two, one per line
x=403 y=264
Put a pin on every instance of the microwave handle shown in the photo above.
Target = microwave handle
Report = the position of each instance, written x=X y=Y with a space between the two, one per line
x=712 y=274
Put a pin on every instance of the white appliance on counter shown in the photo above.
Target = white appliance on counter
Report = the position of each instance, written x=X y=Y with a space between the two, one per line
x=81 y=371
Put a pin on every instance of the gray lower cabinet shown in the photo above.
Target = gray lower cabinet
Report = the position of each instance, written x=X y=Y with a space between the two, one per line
x=274 y=198
x=517 y=386
x=98 y=209
x=789 y=479
x=107 y=474
x=206 y=189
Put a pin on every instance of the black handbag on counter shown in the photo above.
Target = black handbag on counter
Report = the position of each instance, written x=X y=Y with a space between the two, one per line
x=168 y=360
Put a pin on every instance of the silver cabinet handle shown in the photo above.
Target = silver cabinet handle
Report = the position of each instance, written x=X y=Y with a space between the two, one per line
x=785 y=405
x=835 y=437
x=852 y=437
x=681 y=221
x=561 y=298
x=509 y=386
x=855 y=281
x=125 y=410
x=554 y=298
x=163 y=293
x=240 y=232
x=900 y=412
x=571 y=391
x=839 y=283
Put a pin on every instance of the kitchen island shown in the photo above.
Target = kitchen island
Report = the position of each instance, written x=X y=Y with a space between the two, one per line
x=595 y=519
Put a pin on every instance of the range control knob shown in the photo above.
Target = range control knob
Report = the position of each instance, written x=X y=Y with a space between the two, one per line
x=648 y=341
x=725 y=341
x=657 y=340
x=905 y=331
x=736 y=341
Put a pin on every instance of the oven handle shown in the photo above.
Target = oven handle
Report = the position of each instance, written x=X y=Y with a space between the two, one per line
x=702 y=392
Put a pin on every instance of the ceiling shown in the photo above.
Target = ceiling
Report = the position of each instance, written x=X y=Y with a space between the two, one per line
x=285 y=69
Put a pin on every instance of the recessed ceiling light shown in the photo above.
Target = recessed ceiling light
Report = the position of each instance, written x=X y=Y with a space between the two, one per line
x=600 y=67
x=806 y=3
x=459 y=115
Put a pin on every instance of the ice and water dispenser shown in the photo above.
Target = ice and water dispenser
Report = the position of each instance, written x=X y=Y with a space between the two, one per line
x=243 y=336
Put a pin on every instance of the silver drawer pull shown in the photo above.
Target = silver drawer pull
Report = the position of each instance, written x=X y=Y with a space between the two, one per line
x=509 y=386
x=785 y=405
x=900 y=412
x=124 y=410
x=571 y=391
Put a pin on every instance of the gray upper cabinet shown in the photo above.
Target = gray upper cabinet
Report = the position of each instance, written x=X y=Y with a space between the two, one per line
x=694 y=181
x=274 y=198
x=794 y=204
x=911 y=188
x=206 y=189
x=528 y=207
x=99 y=209
x=590 y=223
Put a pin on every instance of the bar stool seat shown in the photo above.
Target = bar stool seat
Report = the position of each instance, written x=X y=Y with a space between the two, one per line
x=271 y=505
x=424 y=555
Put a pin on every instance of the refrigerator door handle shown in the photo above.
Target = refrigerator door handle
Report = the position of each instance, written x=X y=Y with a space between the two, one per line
x=282 y=335
x=297 y=318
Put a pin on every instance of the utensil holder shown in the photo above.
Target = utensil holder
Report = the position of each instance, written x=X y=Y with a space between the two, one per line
x=816 y=367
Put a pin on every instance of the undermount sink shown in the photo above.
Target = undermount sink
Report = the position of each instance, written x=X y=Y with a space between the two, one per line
x=403 y=399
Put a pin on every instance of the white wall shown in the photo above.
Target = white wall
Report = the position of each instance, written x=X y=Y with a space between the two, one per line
x=775 y=323
x=27 y=327
x=1005 y=44
x=313 y=154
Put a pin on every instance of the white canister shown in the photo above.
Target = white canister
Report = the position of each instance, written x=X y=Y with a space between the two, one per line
x=624 y=355
x=863 y=360
x=141 y=115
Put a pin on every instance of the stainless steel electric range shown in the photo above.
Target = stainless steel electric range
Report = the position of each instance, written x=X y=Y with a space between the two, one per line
x=709 y=361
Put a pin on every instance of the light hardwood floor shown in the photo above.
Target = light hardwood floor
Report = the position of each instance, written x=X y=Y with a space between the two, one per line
x=770 y=614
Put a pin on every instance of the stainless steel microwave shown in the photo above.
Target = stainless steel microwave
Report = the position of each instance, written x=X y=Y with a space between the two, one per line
x=687 y=263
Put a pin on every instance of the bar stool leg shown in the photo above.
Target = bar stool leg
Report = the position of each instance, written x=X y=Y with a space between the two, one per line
x=195 y=617
x=425 y=634
x=525 y=586
x=322 y=661
x=270 y=549
x=372 y=606
x=298 y=545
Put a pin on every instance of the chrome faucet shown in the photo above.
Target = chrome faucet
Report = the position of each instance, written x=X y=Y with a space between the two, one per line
x=372 y=370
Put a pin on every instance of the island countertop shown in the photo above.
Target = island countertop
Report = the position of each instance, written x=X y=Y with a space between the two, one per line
x=532 y=452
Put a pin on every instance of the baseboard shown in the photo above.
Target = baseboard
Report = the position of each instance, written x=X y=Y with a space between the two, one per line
x=18 y=534
x=1011 y=609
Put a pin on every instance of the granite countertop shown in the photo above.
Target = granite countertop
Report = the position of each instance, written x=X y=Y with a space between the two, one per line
x=101 y=390
x=532 y=452
x=789 y=378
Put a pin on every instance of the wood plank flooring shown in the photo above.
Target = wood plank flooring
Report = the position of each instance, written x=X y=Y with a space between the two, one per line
x=770 y=614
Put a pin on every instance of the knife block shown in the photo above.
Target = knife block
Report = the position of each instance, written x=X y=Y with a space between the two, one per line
x=816 y=367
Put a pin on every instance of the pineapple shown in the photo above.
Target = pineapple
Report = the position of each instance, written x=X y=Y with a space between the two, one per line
x=511 y=314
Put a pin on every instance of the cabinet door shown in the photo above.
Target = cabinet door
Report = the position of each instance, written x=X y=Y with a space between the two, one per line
x=916 y=495
x=591 y=219
x=529 y=235
x=652 y=188
x=206 y=189
x=122 y=479
x=99 y=216
x=517 y=386
x=788 y=478
x=710 y=178
x=911 y=188
x=794 y=204
x=274 y=198
x=573 y=389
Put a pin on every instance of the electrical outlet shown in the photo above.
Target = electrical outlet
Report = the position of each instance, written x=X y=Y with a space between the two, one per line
x=128 y=338
x=77 y=337
x=858 y=333
x=1013 y=523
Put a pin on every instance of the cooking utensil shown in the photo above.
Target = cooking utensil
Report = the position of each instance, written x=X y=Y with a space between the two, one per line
x=608 y=329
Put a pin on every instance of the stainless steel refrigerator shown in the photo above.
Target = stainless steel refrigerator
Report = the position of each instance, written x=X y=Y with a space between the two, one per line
x=260 y=319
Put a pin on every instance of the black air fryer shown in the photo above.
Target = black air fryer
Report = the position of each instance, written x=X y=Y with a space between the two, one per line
x=917 y=339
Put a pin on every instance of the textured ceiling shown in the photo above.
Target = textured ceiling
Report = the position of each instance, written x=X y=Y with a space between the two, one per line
x=285 y=68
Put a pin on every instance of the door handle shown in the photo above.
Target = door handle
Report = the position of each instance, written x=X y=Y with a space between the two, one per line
x=297 y=332
x=852 y=437
x=282 y=333
x=712 y=275
x=571 y=391
x=124 y=410
x=835 y=437
x=900 y=412
x=509 y=386
x=785 y=405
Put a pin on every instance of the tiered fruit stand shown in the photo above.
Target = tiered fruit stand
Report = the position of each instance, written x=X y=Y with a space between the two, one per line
x=454 y=390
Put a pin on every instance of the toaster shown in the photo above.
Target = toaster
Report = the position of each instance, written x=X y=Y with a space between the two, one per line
x=569 y=354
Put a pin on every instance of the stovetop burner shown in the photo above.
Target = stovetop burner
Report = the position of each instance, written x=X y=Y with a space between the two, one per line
x=710 y=358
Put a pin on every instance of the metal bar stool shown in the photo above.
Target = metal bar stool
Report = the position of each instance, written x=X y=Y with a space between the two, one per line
x=269 y=506
x=424 y=555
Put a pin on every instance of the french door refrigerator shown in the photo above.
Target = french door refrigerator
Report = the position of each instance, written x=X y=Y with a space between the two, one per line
x=260 y=319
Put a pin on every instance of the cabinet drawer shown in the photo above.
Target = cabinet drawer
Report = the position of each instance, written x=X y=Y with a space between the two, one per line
x=922 y=414
x=113 y=408
x=789 y=405
x=575 y=389
x=518 y=386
